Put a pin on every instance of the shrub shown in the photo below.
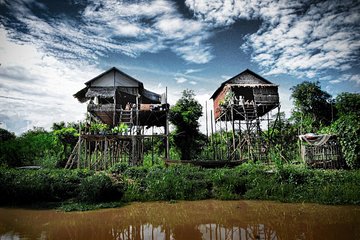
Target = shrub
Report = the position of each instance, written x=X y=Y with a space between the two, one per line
x=100 y=188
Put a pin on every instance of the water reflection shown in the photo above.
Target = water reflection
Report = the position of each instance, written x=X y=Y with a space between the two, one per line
x=260 y=231
x=213 y=220
x=211 y=231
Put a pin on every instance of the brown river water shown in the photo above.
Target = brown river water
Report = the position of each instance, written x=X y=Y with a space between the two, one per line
x=209 y=219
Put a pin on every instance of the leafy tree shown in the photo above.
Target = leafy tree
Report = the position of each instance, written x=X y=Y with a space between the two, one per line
x=282 y=137
x=313 y=106
x=35 y=146
x=185 y=115
x=67 y=135
x=348 y=103
x=347 y=127
x=5 y=135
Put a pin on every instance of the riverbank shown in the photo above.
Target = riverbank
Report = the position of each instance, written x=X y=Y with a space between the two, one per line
x=83 y=189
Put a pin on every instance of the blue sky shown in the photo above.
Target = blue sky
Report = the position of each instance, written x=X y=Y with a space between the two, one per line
x=48 y=49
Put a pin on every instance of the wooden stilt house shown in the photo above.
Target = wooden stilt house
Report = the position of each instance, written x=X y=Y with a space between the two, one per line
x=240 y=104
x=117 y=101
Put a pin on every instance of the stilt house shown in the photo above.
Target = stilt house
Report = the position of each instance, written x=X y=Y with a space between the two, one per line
x=239 y=106
x=117 y=101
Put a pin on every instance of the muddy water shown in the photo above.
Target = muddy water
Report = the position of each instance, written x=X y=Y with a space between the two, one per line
x=208 y=219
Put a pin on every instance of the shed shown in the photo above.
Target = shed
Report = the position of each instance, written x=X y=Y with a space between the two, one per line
x=321 y=151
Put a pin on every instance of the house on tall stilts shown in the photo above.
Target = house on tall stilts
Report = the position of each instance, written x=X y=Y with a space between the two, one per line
x=120 y=113
x=240 y=105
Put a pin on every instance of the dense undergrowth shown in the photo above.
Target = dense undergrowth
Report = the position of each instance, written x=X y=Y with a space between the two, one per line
x=83 y=189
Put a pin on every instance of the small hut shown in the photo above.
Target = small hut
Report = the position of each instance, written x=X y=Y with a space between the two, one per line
x=321 y=151
x=120 y=103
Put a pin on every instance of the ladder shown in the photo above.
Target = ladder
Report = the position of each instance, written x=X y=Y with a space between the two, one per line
x=126 y=116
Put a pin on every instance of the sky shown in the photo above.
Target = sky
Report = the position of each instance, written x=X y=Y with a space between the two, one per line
x=49 y=49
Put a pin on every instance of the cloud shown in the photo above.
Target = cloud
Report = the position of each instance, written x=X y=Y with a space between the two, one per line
x=355 y=78
x=301 y=38
x=38 y=92
x=225 y=77
x=180 y=80
x=107 y=26
x=191 y=70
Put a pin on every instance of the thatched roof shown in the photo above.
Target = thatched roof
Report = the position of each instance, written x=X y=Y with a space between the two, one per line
x=246 y=78
x=110 y=91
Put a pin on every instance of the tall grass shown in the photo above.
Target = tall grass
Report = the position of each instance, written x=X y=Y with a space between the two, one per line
x=287 y=183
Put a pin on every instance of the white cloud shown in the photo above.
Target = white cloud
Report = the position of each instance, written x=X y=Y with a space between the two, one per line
x=39 y=92
x=180 y=80
x=225 y=77
x=302 y=38
x=355 y=78
x=191 y=70
x=109 y=26
x=334 y=81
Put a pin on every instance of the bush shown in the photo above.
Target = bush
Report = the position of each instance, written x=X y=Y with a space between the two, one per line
x=179 y=182
x=30 y=186
x=100 y=188
x=288 y=183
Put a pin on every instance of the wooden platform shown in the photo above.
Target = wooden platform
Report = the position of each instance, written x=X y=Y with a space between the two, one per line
x=207 y=163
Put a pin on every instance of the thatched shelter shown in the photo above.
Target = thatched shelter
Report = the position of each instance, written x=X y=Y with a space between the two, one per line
x=321 y=151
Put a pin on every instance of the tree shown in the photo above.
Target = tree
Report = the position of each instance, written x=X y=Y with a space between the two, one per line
x=282 y=137
x=347 y=127
x=185 y=115
x=5 y=135
x=36 y=146
x=313 y=106
x=348 y=103
x=68 y=136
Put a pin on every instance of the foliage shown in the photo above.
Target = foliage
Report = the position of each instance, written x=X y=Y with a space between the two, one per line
x=35 y=146
x=347 y=128
x=100 y=188
x=122 y=128
x=98 y=127
x=5 y=135
x=348 y=103
x=185 y=115
x=31 y=186
x=313 y=106
x=179 y=182
x=282 y=139
x=78 y=188
x=67 y=135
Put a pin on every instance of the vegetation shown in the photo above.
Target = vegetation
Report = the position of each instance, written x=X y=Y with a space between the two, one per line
x=34 y=147
x=286 y=178
x=82 y=189
x=313 y=106
x=185 y=115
